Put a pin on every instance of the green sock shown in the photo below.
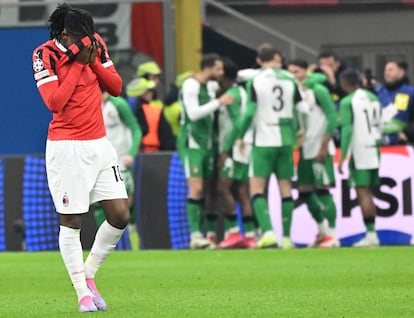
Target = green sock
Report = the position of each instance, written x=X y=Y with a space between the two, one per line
x=133 y=237
x=329 y=207
x=314 y=205
x=255 y=222
x=99 y=214
x=132 y=214
x=248 y=224
x=370 y=224
x=261 y=210
x=230 y=222
x=132 y=229
x=287 y=211
x=211 y=223
x=194 y=208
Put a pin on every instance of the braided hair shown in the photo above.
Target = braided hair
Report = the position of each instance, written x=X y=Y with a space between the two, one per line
x=77 y=22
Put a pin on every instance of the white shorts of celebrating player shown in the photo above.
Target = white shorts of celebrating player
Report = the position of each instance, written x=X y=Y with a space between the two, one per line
x=81 y=172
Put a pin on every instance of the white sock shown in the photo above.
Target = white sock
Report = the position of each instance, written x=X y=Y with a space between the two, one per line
x=250 y=234
x=211 y=234
x=235 y=229
x=196 y=235
x=331 y=231
x=372 y=235
x=71 y=250
x=105 y=241
x=322 y=229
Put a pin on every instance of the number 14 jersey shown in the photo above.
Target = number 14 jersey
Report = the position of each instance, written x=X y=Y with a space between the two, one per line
x=361 y=110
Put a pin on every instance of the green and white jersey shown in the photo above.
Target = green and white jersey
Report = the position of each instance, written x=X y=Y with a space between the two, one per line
x=272 y=99
x=320 y=119
x=247 y=74
x=198 y=103
x=122 y=128
x=228 y=117
x=361 y=128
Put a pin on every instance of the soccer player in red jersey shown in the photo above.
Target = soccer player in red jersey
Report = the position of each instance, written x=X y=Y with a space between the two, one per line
x=81 y=163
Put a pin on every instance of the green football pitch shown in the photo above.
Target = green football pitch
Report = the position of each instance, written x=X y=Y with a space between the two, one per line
x=272 y=283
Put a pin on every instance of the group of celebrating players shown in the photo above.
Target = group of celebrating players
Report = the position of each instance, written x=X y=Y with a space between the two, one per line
x=262 y=116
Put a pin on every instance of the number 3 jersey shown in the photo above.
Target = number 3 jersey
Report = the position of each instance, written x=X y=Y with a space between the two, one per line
x=361 y=111
x=272 y=96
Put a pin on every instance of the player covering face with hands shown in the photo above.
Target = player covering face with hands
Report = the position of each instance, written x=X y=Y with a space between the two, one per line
x=70 y=69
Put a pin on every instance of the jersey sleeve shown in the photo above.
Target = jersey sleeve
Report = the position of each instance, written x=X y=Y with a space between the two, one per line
x=300 y=110
x=244 y=123
x=54 y=91
x=234 y=108
x=44 y=66
x=327 y=105
x=234 y=114
x=128 y=118
x=105 y=70
x=346 y=121
x=195 y=111
x=314 y=79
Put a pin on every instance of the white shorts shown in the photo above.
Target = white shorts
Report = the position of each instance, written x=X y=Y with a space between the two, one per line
x=81 y=172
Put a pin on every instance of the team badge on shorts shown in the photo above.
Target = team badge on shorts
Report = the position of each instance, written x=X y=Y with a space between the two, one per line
x=65 y=200
x=38 y=65
x=195 y=169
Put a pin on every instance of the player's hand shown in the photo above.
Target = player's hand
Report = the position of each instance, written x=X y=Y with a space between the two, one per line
x=340 y=167
x=240 y=145
x=128 y=161
x=94 y=52
x=226 y=100
x=322 y=155
x=222 y=159
x=329 y=72
x=84 y=54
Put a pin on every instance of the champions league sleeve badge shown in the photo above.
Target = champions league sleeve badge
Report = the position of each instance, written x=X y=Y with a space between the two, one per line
x=38 y=65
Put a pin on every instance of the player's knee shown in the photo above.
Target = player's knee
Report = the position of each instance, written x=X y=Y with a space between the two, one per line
x=73 y=221
x=119 y=217
x=120 y=220
x=223 y=186
x=196 y=191
x=285 y=188
x=124 y=218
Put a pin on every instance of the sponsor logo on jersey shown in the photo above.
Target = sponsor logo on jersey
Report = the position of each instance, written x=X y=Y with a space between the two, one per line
x=65 y=200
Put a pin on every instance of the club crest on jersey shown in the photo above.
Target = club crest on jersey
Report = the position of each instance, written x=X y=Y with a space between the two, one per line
x=65 y=200
x=38 y=65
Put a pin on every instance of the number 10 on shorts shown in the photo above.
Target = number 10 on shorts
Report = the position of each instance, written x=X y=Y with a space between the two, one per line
x=117 y=173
